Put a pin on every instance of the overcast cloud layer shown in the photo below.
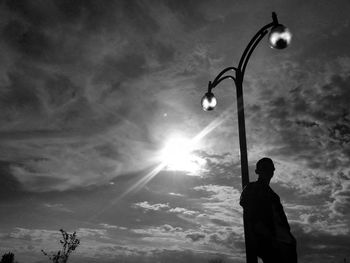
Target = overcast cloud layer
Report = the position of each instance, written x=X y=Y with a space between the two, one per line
x=90 y=91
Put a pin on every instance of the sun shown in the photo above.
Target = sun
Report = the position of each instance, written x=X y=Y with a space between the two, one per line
x=178 y=155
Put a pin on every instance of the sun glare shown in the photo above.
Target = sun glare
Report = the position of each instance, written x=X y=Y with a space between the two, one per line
x=178 y=155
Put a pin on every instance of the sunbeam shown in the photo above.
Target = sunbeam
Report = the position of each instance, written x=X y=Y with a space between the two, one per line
x=139 y=184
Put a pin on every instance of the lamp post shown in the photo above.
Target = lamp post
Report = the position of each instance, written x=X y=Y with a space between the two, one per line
x=279 y=38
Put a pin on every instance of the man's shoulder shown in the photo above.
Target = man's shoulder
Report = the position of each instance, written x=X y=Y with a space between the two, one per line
x=248 y=193
x=250 y=187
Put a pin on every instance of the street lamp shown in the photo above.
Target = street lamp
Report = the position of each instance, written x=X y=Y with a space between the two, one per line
x=279 y=38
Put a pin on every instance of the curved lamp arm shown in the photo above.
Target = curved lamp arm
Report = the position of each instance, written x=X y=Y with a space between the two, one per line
x=255 y=41
x=219 y=77
x=239 y=72
x=250 y=48
x=223 y=78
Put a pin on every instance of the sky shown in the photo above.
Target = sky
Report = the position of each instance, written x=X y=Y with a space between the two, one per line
x=95 y=94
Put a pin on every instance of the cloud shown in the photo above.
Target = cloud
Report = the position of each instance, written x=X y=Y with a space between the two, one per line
x=301 y=128
x=23 y=240
x=183 y=211
x=73 y=84
x=312 y=222
x=108 y=226
x=303 y=125
x=228 y=240
x=33 y=234
x=341 y=204
x=92 y=241
x=213 y=217
x=195 y=236
x=90 y=91
x=160 y=230
x=311 y=245
x=176 y=194
x=223 y=203
x=154 y=207
x=11 y=188
x=57 y=207
x=221 y=166
x=92 y=232
x=165 y=208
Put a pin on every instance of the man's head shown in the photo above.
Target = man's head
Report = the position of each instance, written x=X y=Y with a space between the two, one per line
x=265 y=168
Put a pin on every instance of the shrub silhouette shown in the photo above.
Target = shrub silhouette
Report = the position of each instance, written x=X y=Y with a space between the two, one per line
x=69 y=243
x=8 y=258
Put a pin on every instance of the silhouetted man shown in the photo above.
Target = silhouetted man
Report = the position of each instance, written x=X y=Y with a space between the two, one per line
x=266 y=222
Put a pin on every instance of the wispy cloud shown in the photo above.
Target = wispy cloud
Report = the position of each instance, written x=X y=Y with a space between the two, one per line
x=145 y=205
x=90 y=91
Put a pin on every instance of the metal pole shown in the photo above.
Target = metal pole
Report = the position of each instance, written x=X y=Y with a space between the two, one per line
x=241 y=131
x=249 y=248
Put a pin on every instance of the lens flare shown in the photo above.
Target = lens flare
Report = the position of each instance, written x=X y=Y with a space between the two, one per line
x=141 y=182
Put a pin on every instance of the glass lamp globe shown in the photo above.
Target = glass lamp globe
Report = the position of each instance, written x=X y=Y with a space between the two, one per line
x=280 y=37
x=208 y=101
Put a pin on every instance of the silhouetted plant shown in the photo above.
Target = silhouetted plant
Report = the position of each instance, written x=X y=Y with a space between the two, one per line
x=8 y=258
x=69 y=243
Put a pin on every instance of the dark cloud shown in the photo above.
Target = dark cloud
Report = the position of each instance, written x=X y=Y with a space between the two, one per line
x=228 y=240
x=191 y=14
x=20 y=95
x=312 y=245
x=168 y=255
x=338 y=37
x=305 y=124
x=220 y=166
x=60 y=90
x=10 y=186
x=27 y=40
x=220 y=222
x=91 y=90
x=33 y=13
x=195 y=236
x=117 y=70
x=340 y=205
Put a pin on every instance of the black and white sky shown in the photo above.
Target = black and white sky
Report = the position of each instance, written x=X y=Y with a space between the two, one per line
x=91 y=92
